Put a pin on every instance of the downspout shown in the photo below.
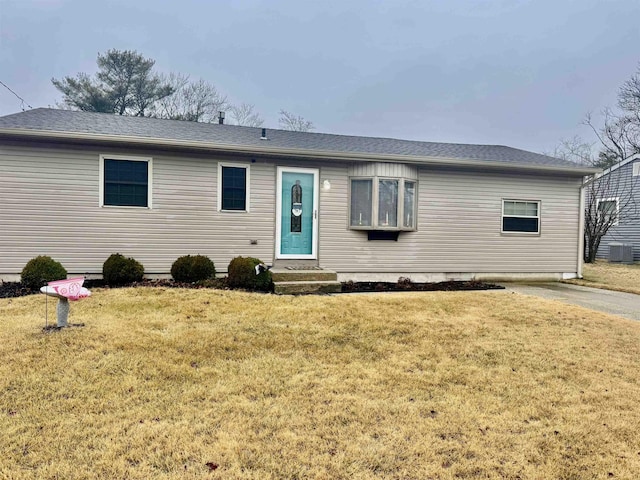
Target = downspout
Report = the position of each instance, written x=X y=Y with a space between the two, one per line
x=581 y=230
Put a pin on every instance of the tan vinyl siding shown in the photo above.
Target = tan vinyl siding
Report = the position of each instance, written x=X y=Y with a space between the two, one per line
x=50 y=201
x=459 y=226
x=49 y=205
x=383 y=170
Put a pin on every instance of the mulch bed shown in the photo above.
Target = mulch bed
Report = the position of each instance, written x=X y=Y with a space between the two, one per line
x=16 y=289
x=13 y=289
x=219 y=283
x=406 y=285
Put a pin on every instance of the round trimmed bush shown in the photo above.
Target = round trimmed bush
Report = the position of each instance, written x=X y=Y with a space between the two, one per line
x=242 y=274
x=193 y=269
x=40 y=270
x=119 y=270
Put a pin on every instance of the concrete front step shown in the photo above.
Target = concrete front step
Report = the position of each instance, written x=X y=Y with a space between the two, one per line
x=285 y=275
x=307 y=286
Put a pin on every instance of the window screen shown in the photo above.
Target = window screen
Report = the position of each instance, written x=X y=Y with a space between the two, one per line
x=234 y=188
x=126 y=183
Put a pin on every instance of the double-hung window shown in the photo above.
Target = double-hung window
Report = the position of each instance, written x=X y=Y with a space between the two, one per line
x=233 y=187
x=521 y=216
x=379 y=203
x=125 y=181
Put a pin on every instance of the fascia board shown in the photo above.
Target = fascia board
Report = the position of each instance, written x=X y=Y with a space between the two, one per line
x=618 y=165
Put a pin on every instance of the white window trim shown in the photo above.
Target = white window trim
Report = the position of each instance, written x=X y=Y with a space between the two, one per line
x=375 y=179
x=131 y=158
x=247 y=192
x=521 y=200
x=610 y=199
x=316 y=201
x=636 y=169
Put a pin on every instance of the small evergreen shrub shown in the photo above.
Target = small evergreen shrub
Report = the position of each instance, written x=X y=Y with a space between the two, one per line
x=242 y=274
x=118 y=270
x=40 y=270
x=194 y=268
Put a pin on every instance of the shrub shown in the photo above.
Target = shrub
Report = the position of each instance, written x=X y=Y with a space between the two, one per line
x=242 y=274
x=118 y=270
x=40 y=270
x=193 y=269
x=404 y=283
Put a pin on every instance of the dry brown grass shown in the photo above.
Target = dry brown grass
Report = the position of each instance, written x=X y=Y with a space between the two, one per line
x=610 y=276
x=441 y=385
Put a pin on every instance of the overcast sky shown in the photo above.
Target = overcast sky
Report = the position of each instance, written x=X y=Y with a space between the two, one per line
x=510 y=72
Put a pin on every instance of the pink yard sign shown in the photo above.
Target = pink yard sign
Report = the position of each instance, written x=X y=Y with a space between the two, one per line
x=70 y=288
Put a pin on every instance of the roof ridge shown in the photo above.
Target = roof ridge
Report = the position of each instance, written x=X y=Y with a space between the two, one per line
x=291 y=132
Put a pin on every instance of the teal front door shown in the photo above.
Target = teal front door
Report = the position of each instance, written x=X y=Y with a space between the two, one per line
x=297 y=213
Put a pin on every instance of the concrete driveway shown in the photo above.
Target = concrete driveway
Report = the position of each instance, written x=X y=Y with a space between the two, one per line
x=618 y=303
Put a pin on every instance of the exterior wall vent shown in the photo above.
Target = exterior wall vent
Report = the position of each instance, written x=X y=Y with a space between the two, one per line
x=620 y=253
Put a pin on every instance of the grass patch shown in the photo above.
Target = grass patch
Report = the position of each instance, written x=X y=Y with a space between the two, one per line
x=610 y=276
x=166 y=383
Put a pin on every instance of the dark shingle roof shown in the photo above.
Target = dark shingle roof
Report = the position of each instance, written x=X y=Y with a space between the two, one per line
x=101 y=124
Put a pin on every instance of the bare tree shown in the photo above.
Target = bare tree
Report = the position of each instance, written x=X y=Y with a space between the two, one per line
x=575 y=150
x=192 y=101
x=616 y=136
x=244 y=115
x=629 y=97
x=609 y=197
x=620 y=134
x=295 y=123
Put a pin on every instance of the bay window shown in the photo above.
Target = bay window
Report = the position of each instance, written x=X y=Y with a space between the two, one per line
x=379 y=203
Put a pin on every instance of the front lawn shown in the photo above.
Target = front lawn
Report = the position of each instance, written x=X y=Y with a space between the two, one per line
x=610 y=276
x=171 y=383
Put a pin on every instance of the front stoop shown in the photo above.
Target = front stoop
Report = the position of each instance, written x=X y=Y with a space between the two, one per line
x=296 y=282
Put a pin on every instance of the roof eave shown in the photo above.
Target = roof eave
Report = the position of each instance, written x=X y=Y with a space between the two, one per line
x=618 y=165
x=290 y=152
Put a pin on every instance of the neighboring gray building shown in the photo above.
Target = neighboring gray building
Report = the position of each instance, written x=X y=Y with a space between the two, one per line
x=80 y=186
x=617 y=191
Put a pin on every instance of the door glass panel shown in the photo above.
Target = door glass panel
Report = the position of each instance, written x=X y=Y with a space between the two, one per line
x=296 y=207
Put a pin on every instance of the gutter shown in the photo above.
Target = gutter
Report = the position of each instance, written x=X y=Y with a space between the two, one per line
x=289 y=152
x=581 y=231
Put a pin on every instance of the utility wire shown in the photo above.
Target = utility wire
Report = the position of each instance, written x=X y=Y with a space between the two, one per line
x=23 y=102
